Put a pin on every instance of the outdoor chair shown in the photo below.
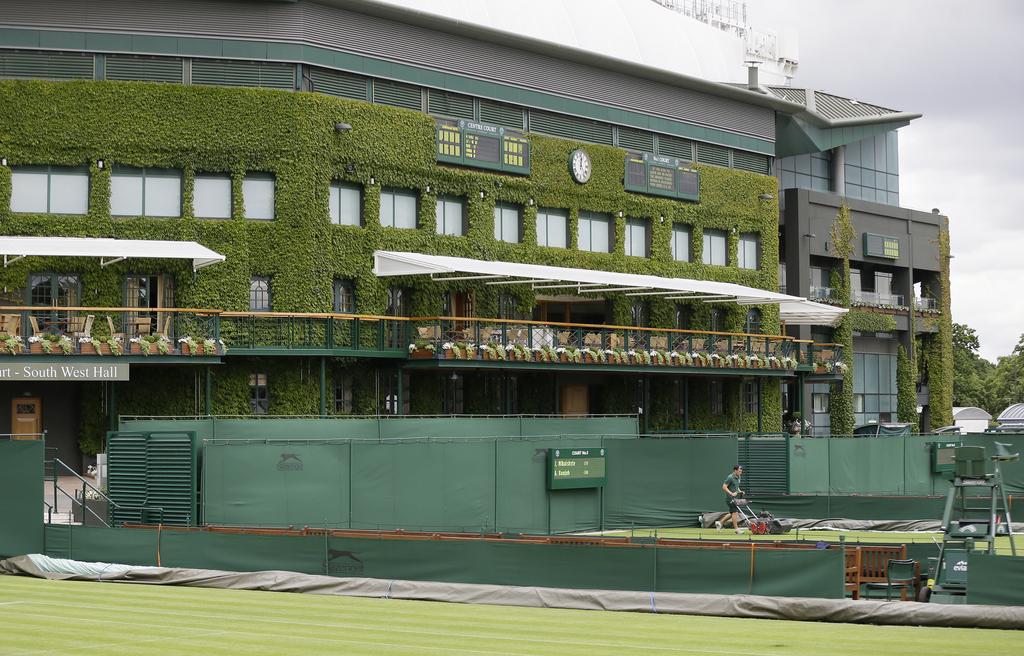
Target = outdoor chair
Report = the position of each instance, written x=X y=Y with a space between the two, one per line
x=113 y=333
x=165 y=331
x=592 y=340
x=659 y=342
x=900 y=575
x=34 y=323
x=10 y=324
x=85 y=329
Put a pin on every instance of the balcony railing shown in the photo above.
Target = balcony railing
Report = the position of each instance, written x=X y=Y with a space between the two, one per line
x=327 y=334
x=925 y=304
x=820 y=294
x=876 y=299
x=823 y=357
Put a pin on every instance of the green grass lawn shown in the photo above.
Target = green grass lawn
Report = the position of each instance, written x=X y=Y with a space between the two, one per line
x=71 y=617
x=852 y=537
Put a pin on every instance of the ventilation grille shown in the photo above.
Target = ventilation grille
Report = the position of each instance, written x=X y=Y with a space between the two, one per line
x=397 y=94
x=143 y=69
x=750 y=162
x=443 y=103
x=570 y=127
x=155 y=471
x=243 y=74
x=675 y=147
x=765 y=462
x=497 y=113
x=712 y=154
x=45 y=65
x=636 y=140
x=334 y=83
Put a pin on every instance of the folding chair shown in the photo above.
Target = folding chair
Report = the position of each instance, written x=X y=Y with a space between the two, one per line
x=899 y=575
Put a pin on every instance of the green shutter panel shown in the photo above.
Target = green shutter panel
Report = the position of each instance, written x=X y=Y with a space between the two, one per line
x=152 y=470
x=675 y=147
x=497 y=113
x=46 y=65
x=227 y=73
x=765 y=462
x=336 y=83
x=443 y=103
x=126 y=482
x=750 y=162
x=637 y=140
x=712 y=154
x=570 y=127
x=397 y=94
x=149 y=69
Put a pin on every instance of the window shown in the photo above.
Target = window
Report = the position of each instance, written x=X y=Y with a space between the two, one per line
x=716 y=397
x=344 y=297
x=753 y=323
x=507 y=218
x=451 y=216
x=259 y=294
x=680 y=244
x=343 y=395
x=684 y=317
x=819 y=402
x=594 y=232
x=807 y=171
x=452 y=395
x=552 y=228
x=145 y=192
x=211 y=197
x=395 y=386
x=148 y=293
x=398 y=208
x=751 y=403
x=636 y=237
x=714 y=247
x=874 y=387
x=396 y=306
x=346 y=204
x=638 y=314
x=53 y=290
x=748 y=250
x=509 y=308
x=258 y=197
x=50 y=189
x=715 y=320
x=259 y=400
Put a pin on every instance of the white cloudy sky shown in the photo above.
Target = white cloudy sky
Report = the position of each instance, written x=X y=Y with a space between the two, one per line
x=959 y=64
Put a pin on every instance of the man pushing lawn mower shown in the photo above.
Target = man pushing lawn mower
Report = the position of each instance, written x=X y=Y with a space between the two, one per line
x=731 y=487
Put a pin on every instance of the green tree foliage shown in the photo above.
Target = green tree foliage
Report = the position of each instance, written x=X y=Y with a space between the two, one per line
x=974 y=374
x=841 y=398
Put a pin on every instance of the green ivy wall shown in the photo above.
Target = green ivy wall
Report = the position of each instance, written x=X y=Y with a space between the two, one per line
x=291 y=135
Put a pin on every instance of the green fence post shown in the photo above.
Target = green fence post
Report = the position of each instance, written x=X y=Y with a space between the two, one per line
x=323 y=386
x=208 y=392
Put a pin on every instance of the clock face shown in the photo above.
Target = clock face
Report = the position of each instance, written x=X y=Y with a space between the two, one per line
x=579 y=165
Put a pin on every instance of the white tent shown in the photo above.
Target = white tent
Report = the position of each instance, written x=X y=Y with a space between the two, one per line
x=793 y=310
x=108 y=250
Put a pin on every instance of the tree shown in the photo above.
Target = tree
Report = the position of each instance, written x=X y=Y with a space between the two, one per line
x=1006 y=380
x=974 y=374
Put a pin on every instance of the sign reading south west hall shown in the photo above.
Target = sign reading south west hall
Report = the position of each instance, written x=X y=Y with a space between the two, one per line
x=69 y=372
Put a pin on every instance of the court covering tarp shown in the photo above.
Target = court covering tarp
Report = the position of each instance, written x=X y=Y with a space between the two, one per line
x=737 y=605
x=21 y=488
x=997 y=580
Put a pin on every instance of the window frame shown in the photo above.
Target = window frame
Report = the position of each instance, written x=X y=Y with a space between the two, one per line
x=588 y=218
x=342 y=285
x=547 y=213
x=343 y=382
x=255 y=280
x=144 y=174
x=441 y=223
x=685 y=229
x=340 y=185
x=633 y=223
x=260 y=177
x=221 y=177
x=396 y=192
x=745 y=239
x=707 y=236
x=500 y=207
x=48 y=171
x=255 y=395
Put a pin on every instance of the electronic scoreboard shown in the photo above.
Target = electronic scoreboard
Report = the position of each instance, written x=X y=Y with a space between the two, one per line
x=575 y=468
x=469 y=143
x=661 y=176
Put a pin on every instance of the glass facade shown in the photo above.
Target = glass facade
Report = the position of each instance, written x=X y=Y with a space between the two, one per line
x=874 y=387
x=873 y=170
x=808 y=171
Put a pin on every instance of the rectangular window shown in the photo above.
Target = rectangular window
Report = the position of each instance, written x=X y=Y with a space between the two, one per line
x=716 y=397
x=211 y=197
x=451 y=216
x=750 y=400
x=259 y=294
x=259 y=399
x=398 y=208
x=389 y=384
x=346 y=204
x=344 y=297
x=552 y=228
x=636 y=238
x=680 y=242
x=145 y=192
x=594 y=232
x=507 y=218
x=819 y=402
x=343 y=395
x=714 y=247
x=258 y=197
x=50 y=189
x=749 y=246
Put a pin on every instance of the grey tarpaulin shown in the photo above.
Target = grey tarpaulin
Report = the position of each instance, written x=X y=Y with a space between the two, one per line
x=707 y=520
x=791 y=608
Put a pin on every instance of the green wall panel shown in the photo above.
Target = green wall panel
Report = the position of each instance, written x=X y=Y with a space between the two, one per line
x=243 y=553
x=104 y=545
x=996 y=580
x=21 y=488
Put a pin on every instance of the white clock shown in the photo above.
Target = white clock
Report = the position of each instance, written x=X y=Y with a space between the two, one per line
x=579 y=165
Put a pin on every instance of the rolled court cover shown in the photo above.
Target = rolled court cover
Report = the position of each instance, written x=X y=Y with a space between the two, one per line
x=751 y=606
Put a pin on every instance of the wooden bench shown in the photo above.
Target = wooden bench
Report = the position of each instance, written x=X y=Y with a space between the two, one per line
x=866 y=564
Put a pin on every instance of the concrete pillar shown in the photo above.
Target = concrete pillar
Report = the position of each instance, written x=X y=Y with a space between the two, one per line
x=839 y=170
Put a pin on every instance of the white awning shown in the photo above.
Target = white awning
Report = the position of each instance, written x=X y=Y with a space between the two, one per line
x=549 y=279
x=108 y=250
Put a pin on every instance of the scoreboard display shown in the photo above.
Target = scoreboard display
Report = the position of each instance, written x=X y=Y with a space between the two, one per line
x=576 y=468
x=661 y=176
x=881 y=246
x=479 y=145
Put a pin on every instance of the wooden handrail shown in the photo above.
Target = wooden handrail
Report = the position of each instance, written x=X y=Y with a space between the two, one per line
x=311 y=315
x=11 y=309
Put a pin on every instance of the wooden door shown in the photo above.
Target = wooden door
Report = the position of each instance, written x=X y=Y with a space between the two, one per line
x=26 y=418
x=574 y=400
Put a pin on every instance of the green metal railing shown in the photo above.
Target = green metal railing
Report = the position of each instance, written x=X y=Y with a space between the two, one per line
x=270 y=332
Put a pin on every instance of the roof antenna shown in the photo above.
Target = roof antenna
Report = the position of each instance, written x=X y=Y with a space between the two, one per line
x=752 y=81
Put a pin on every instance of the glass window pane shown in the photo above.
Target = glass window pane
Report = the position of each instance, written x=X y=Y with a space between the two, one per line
x=680 y=243
x=542 y=228
x=870 y=373
x=258 y=197
x=802 y=164
x=819 y=167
x=350 y=198
x=506 y=223
x=892 y=182
x=748 y=251
x=853 y=154
x=892 y=158
x=852 y=174
x=820 y=184
x=788 y=180
x=583 y=233
x=714 y=247
x=867 y=153
x=126 y=194
x=893 y=198
x=405 y=210
x=449 y=216
x=163 y=193
x=387 y=208
x=636 y=237
x=28 y=190
x=211 y=197
x=853 y=191
x=599 y=235
x=867 y=178
x=69 y=191
x=880 y=153
x=803 y=181
x=858 y=373
x=867 y=193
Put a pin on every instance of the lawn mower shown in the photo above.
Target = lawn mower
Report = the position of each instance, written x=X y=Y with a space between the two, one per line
x=762 y=523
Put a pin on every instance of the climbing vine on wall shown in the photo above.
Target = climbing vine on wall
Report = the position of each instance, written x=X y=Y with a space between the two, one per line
x=938 y=348
x=841 y=397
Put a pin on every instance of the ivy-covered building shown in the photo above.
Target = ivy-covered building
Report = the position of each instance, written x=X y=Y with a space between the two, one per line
x=328 y=208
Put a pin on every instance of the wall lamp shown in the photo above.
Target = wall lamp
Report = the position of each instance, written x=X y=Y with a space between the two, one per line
x=3 y=161
x=766 y=197
x=100 y=164
x=342 y=127
x=482 y=193
x=530 y=202
x=373 y=181
x=428 y=189
x=350 y=168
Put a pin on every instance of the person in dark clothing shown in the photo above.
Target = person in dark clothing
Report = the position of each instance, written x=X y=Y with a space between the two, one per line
x=732 y=490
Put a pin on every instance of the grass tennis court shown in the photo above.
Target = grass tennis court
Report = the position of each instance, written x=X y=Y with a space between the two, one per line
x=852 y=537
x=65 y=617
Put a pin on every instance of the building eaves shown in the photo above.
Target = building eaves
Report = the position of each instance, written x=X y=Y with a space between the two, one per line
x=831 y=111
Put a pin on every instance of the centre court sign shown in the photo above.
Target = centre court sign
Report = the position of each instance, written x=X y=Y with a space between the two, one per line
x=69 y=372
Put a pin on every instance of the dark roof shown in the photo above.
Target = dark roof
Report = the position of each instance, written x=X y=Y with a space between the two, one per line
x=830 y=110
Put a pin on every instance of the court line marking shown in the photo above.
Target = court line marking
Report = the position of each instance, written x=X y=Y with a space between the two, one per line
x=106 y=645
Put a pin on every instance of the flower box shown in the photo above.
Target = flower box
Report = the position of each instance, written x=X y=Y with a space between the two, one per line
x=88 y=348
x=494 y=357
x=36 y=347
x=146 y=348
x=422 y=354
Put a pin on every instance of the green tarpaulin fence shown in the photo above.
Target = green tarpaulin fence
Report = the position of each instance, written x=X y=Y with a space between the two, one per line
x=995 y=580
x=21 y=488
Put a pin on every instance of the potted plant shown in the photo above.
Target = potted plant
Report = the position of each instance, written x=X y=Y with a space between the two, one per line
x=150 y=345
x=640 y=357
x=544 y=354
x=594 y=355
x=201 y=346
x=569 y=354
x=422 y=349
x=11 y=344
x=658 y=358
x=494 y=351
x=101 y=345
x=519 y=352
x=716 y=360
x=49 y=343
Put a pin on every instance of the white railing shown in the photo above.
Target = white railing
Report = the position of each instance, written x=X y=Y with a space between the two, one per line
x=876 y=298
x=925 y=303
